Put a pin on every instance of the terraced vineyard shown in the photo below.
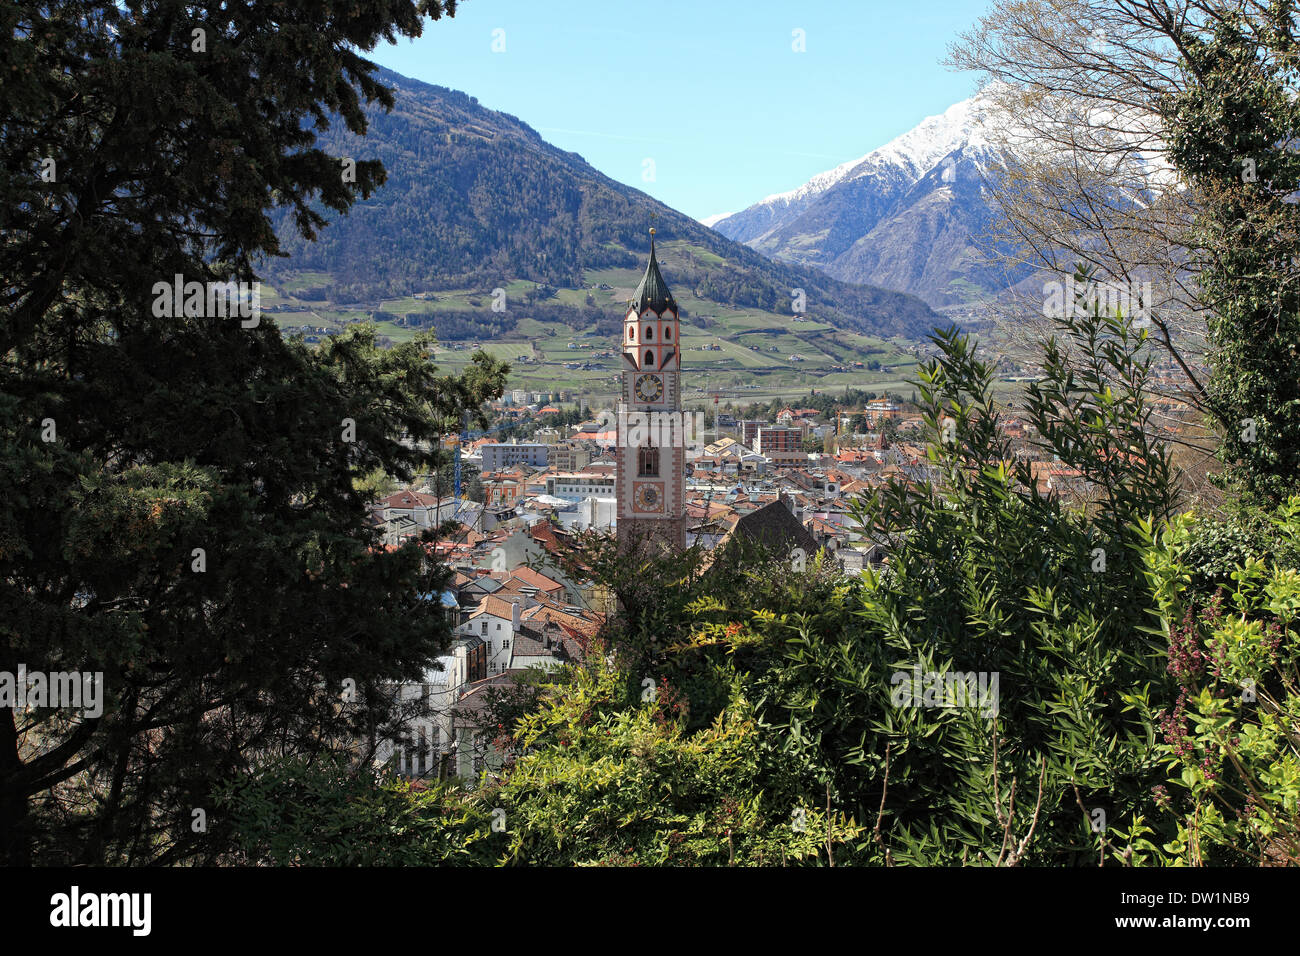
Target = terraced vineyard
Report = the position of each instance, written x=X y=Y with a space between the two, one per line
x=726 y=349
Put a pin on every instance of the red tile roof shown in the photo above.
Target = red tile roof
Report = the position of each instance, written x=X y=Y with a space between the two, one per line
x=494 y=606
x=405 y=500
x=536 y=579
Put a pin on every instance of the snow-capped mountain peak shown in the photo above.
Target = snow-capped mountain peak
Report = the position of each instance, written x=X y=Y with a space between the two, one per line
x=910 y=215
x=916 y=152
x=715 y=218
x=901 y=214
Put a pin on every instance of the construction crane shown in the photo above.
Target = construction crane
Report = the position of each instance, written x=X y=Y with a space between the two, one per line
x=461 y=439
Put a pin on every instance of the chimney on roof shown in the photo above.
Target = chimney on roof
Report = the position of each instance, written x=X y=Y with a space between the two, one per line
x=514 y=616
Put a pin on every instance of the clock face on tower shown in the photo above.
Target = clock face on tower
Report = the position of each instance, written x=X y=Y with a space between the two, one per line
x=648 y=497
x=648 y=388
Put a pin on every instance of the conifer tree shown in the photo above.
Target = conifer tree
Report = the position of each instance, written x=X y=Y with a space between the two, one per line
x=182 y=507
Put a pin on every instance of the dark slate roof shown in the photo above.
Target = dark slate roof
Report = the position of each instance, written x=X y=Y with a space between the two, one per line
x=776 y=527
x=653 y=292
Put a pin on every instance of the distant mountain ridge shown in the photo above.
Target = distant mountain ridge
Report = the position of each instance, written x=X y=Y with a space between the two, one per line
x=904 y=216
x=476 y=198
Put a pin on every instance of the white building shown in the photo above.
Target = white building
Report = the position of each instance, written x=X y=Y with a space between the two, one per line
x=495 y=622
x=429 y=745
x=578 y=485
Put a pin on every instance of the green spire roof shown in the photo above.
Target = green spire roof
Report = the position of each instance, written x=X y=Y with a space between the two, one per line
x=653 y=292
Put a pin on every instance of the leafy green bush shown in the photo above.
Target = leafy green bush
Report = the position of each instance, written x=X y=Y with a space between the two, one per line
x=1232 y=736
x=322 y=813
x=610 y=781
x=988 y=575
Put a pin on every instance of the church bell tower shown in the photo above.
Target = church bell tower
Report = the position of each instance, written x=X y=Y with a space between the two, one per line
x=651 y=452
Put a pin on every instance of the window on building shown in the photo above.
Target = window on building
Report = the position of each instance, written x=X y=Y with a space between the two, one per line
x=668 y=335
x=649 y=334
x=647 y=463
x=505 y=644
x=485 y=627
x=649 y=359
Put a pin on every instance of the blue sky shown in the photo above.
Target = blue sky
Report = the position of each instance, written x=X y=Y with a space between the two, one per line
x=711 y=90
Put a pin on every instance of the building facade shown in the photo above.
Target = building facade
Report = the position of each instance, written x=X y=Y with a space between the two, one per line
x=569 y=456
x=749 y=431
x=499 y=456
x=778 y=440
x=502 y=490
x=579 y=486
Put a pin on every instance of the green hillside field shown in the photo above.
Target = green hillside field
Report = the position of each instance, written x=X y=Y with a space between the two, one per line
x=726 y=349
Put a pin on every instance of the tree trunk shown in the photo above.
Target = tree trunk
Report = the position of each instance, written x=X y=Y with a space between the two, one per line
x=15 y=838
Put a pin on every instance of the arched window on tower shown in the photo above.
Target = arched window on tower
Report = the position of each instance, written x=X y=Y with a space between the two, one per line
x=649 y=359
x=647 y=463
x=649 y=334
x=668 y=335
x=631 y=330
